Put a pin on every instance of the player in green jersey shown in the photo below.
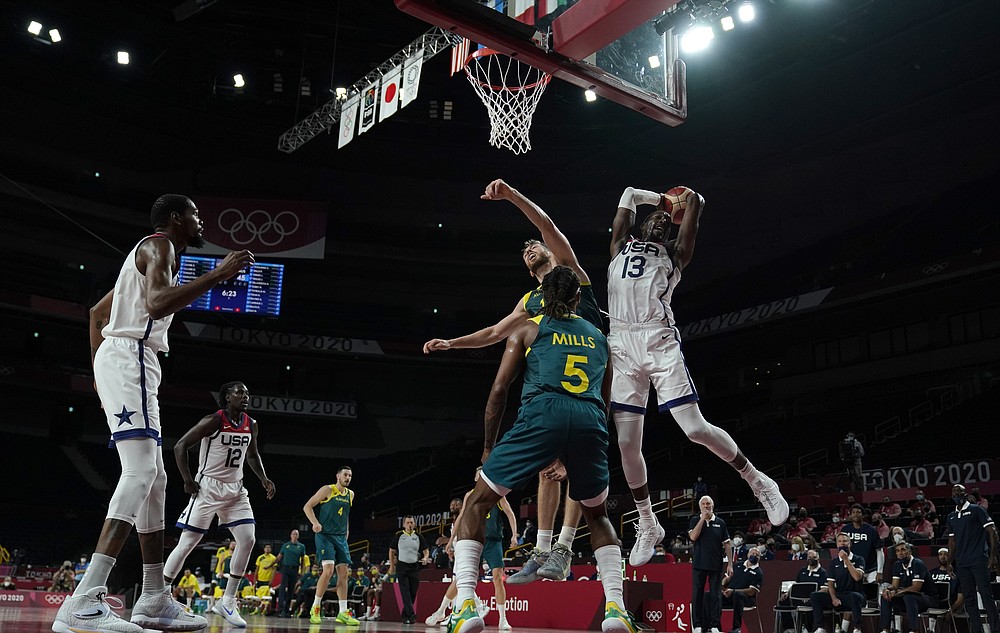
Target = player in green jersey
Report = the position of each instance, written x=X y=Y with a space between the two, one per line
x=329 y=510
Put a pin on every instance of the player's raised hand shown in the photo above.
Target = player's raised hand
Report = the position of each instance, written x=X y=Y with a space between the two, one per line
x=234 y=262
x=269 y=487
x=436 y=345
x=496 y=190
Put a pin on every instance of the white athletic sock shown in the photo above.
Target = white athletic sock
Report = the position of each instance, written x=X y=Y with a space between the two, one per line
x=152 y=578
x=445 y=603
x=566 y=536
x=318 y=601
x=343 y=606
x=467 y=555
x=645 y=509
x=232 y=586
x=544 y=540
x=845 y=625
x=749 y=473
x=97 y=573
x=502 y=610
x=609 y=564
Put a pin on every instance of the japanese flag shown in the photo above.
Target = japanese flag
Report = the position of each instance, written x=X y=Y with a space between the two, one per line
x=348 y=121
x=390 y=93
x=411 y=78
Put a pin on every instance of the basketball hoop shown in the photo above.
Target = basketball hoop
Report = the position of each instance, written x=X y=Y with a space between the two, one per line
x=510 y=90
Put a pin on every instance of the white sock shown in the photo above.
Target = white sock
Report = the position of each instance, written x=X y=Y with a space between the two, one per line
x=445 y=603
x=749 y=473
x=566 y=536
x=609 y=564
x=502 y=610
x=845 y=625
x=544 y=540
x=97 y=573
x=318 y=601
x=467 y=555
x=232 y=586
x=152 y=578
x=645 y=509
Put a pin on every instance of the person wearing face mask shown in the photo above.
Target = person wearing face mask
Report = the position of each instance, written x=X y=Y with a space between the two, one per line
x=832 y=530
x=740 y=589
x=794 y=528
x=812 y=572
x=920 y=527
x=864 y=542
x=921 y=504
x=912 y=590
x=798 y=549
x=741 y=549
x=896 y=536
x=805 y=520
x=978 y=499
x=889 y=509
x=767 y=552
x=970 y=531
x=759 y=525
x=844 y=587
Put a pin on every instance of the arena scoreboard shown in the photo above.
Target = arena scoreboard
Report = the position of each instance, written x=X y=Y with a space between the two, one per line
x=255 y=290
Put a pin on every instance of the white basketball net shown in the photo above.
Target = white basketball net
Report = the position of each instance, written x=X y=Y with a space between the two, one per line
x=510 y=90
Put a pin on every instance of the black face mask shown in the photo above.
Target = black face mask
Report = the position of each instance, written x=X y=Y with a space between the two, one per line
x=959 y=500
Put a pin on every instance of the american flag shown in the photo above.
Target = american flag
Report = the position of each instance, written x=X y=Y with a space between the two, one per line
x=459 y=53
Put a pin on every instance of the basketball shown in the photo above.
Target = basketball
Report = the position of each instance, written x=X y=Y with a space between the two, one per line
x=676 y=202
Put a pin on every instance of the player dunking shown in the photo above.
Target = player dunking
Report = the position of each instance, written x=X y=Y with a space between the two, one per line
x=645 y=349
x=562 y=415
x=228 y=439
x=540 y=258
x=127 y=329
x=330 y=522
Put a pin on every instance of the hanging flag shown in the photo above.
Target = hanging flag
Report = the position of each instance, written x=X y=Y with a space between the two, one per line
x=523 y=10
x=369 y=96
x=459 y=54
x=411 y=78
x=390 y=93
x=348 y=120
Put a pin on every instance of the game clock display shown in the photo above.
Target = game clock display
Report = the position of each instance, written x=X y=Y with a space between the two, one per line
x=255 y=290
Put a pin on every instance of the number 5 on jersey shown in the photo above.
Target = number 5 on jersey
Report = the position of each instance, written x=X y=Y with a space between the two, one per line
x=572 y=371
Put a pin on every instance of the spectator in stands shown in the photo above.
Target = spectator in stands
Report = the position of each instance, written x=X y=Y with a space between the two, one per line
x=812 y=572
x=8 y=584
x=978 y=499
x=798 y=551
x=759 y=526
x=889 y=509
x=529 y=534
x=896 y=536
x=831 y=531
x=741 y=549
x=80 y=569
x=911 y=590
x=223 y=553
x=187 y=586
x=845 y=509
x=793 y=529
x=699 y=488
x=740 y=588
x=921 y=504
x=710 y=536
x=679 y=546
x=373 y=597
x=851 y=452
x=864 y=542
x=63 y=580
x=805 y=520
x=880 y=526
x=920 y=527
x=765 y=552
x=844 y=587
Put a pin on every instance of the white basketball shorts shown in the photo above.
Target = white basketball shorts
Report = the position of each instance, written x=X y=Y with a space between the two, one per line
x=645 y=353
x=127 y=374
x=229 y=501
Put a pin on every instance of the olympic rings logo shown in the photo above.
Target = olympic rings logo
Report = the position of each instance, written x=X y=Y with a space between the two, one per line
x=935 y=269
x=53 y=598
x=258 y=225
x=612 y=504
x=654 y=616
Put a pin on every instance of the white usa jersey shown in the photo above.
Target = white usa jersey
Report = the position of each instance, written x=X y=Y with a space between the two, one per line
x=641 y=281
x=129 y=317
x=222 y=454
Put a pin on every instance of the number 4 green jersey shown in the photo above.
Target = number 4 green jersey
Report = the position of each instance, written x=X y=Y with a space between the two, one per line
x=568 y=357
x=333 y=512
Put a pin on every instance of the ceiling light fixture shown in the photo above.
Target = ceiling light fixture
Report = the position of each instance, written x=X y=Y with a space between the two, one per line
x=123 y=58
x=697 y=39
x=34 y=28
x=746 y=12
x=654 y=61
x=238 y=80
x=728 y=23
x=590 y=95
x=55 y=36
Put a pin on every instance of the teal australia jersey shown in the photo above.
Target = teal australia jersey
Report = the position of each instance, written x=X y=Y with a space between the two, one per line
x=568 y=357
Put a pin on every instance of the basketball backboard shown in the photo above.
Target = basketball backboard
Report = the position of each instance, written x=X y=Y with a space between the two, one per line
x=608 y=46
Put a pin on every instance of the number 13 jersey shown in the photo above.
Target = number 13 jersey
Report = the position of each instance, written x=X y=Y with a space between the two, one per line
x=641 y=281
x=222 y=454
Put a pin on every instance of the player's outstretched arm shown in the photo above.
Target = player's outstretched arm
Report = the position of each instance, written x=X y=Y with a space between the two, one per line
x=624 y=220
x=554 y=239
x=205 y=427
x=481 y=338
x=510 y=366
x=155 y=260
x=684 y=246
x=255 y=463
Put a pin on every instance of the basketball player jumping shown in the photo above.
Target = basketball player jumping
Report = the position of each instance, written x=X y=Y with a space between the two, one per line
x=545 y=561
x=228 y=438
x=645 y=349
x=127 y=329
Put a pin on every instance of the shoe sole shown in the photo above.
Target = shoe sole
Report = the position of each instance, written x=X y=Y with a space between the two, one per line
x=472 y=625
x=616 y=625
x=62 y=627
x=159 y=625
x=560 y=574
x=521 y=580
